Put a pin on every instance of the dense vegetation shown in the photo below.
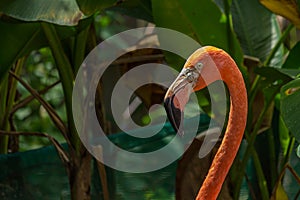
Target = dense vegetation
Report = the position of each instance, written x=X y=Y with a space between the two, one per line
x=44 y=43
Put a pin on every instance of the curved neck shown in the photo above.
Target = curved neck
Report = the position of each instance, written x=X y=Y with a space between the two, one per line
x=232 y=137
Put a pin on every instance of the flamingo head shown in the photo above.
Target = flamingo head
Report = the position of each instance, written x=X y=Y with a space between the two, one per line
x=200 y=70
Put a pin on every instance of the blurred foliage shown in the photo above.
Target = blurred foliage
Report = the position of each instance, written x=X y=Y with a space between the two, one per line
x=57 y=35
x=259 y=43
x=39 y=72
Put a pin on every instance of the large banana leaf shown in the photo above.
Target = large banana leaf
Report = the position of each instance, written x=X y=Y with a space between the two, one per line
x=62 y=12
x=257 y=30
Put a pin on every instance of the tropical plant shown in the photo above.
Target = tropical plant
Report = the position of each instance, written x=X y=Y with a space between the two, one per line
x=59 y=34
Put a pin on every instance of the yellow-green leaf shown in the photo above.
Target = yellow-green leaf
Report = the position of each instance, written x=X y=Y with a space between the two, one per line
x=279 y=193
x=286 y=8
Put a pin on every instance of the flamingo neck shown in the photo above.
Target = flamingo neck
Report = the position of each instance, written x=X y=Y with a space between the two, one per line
x=232 y=137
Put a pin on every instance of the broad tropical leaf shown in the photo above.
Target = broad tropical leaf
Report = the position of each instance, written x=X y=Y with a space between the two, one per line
x=293 y=59
x=201 y=20
x=290 y=93
x=257 y=30
x=290 y=106
x=285 y=8
x=291 y=65
x=290 y=182
x=62 y=12
x=19 y=39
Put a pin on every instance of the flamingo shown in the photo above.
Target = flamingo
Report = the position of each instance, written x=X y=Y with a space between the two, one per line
x=205 y=66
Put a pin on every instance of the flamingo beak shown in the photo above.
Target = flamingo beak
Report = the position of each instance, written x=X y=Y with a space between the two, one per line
x=175 y=100
x=174 y=114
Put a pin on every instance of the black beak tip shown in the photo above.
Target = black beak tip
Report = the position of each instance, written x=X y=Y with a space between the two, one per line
x=175 y=115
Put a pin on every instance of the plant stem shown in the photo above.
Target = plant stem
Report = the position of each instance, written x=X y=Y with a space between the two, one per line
x=67 y=78
x=27 y=100
x=262 y=183
x=271 y=146
x=294 y=173
x=3 y=90
x=10 y=88
x=80 y=44
x=53 y=115
x=63 y=155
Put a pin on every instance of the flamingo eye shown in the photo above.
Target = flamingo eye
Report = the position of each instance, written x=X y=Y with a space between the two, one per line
x=199 y=66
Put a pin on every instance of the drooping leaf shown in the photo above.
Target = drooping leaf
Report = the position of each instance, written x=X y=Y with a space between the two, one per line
x=257 y=30
x=286 y=8
x=272 y=75
x=16 y=41
x=201 y=20
x=19 y=39
x=62 y=12
x=290 y=106
x=89 y=7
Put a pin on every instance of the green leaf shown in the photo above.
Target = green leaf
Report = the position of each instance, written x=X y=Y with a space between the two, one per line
x=290 y=106
x=284 y=136
x=204 y=22
x=293 y=73
x=272 y=81
x=291 y=65
x=16 y=41
x=256 y=29
x=293 y=59
x=272 y=75
x=201 y=20
x=90 y=7
x=62 y=12
x=140 y=9
x=298 y=151
x=19 y=39
x=290 y=182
